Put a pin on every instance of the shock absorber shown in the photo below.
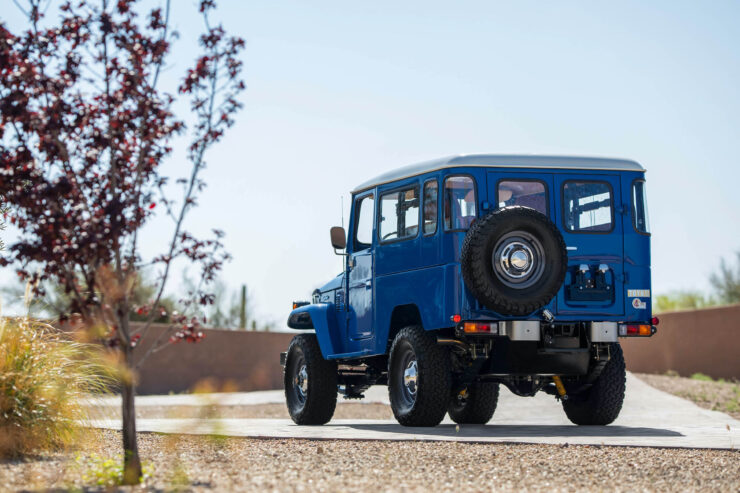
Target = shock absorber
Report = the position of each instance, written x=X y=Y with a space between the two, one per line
x=561 y=388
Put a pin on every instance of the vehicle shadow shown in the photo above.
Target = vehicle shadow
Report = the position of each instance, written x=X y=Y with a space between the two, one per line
x=513 y=431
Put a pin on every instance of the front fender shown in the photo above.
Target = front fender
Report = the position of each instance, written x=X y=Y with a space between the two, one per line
x=321 y=317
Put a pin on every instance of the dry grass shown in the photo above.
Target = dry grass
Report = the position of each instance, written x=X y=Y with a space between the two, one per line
x=42 y=377
x=238 y=464
x=715 y=395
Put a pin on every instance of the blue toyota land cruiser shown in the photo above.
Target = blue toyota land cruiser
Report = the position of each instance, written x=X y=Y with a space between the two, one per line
x=469 y=272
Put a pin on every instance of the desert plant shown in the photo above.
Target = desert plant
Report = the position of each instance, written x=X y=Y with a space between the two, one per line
x=43 y=375
x=726 y=281
x=681 y=300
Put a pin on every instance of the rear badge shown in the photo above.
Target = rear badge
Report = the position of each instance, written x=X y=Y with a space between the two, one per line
x=638 y=304
x=638 y=293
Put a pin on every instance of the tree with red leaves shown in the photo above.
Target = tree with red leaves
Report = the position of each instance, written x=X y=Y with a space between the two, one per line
x=84 y=130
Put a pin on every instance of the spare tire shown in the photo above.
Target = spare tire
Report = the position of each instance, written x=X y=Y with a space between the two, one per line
x=514 y=260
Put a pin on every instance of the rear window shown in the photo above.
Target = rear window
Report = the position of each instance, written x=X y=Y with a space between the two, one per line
x=459 y=195
x=399 y=215
x=639 y=207
x=588 y=206
x=526 y=193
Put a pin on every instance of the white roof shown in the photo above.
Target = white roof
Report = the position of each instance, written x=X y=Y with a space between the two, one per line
x=503 y=161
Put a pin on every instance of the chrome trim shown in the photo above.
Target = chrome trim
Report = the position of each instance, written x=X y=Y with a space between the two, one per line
x=604 y=332
x=520 y=330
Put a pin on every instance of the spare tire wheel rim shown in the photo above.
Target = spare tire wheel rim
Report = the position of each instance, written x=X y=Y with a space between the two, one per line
x=518 y=259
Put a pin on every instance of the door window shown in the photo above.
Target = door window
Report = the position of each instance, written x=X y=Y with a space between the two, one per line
x=364 y=227
x=430 y=207
x=399 y=215
x=526 y=193
x=459 y=194
x=588 y=206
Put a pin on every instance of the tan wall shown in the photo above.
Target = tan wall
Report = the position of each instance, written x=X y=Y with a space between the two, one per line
x=230 y=360
x=705 y=341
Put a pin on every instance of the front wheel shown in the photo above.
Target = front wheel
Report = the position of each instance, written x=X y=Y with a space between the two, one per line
x=419 y=378
x=601 y=403
x=310 y=382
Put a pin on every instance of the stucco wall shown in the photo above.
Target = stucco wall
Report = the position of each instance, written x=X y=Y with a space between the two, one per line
x=229 y=360
x=706 y=341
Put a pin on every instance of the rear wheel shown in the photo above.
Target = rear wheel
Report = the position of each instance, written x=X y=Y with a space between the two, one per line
x=419 y=378
x=601 y=403
x=475 y=404
x=310 y=382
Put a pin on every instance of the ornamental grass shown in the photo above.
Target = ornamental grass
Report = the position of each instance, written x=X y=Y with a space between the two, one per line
x=44 y=376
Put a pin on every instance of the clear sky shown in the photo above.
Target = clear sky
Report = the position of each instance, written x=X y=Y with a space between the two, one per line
x=341 y=91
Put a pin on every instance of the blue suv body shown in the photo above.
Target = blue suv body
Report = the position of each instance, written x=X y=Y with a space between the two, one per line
x=514 y=270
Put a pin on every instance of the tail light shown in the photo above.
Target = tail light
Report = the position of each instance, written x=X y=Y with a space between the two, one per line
x=480 y=328
x=636 y=330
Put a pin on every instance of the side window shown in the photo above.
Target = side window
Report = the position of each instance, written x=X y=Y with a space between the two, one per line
x=459 y=197
x=640 y=217
x=527 y=193
x=364 y=225
x=588 y=206
x=430 y=207
x=399 y=215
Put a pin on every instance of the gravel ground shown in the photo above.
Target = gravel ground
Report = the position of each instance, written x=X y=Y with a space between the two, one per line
x=201 y=463
x=714 y=395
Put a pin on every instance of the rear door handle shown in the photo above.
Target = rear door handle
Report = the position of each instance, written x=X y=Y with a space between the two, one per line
x=368 y=284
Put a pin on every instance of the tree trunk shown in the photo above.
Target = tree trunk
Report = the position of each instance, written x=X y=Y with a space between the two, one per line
x=131 y=461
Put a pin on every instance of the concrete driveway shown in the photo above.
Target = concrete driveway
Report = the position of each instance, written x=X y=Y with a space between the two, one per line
x=649 y=418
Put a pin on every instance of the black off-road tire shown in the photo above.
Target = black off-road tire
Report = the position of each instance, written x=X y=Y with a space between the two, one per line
x=434 y=378
x=478 y=407
x=600 y=404
x=317 y=406
x=477 y=265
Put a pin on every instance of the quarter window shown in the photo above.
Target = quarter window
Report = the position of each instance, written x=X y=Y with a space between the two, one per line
x=364 y=228
x=399 y=215
x=639 y=207
x=526 y=193
x=459 y=195
x=588 y=206
x=430 y=207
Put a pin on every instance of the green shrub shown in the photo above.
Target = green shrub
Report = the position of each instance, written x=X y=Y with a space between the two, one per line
x=702 y=377
x=43 y=376
x=94 y=470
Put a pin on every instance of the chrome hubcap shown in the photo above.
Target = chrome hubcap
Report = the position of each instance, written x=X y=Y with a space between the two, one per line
x=518 y=259
x=301 y=382
x=410 y=376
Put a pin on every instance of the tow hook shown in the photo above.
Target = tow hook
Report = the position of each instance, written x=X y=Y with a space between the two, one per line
x=561 y=388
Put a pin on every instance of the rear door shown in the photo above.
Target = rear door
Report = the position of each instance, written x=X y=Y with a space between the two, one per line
x=589 y=215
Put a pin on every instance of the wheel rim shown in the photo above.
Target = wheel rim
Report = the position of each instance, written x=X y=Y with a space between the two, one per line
x=300 y=380
x=408 y=378
x=518 y=259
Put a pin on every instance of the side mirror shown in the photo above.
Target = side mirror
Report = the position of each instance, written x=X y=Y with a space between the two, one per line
x=338 y=238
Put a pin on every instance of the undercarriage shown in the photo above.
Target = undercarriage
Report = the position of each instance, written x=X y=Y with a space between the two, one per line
x=524 y=367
